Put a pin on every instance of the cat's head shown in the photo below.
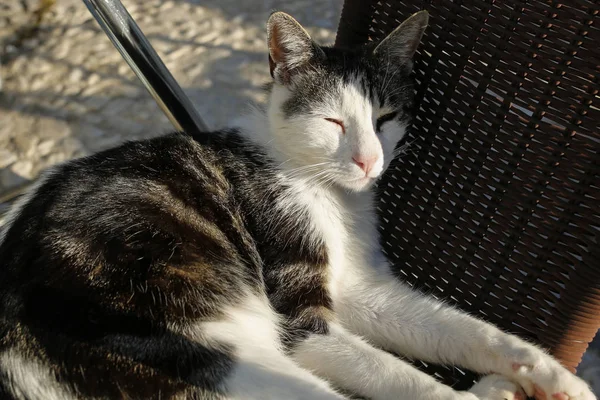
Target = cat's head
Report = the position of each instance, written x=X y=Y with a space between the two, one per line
x=338 y=114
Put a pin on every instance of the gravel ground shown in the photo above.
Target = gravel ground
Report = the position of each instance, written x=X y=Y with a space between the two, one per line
x=66 y=92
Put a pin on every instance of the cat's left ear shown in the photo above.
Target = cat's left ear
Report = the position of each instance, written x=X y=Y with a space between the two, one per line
x=402 y=43
x=290 y=47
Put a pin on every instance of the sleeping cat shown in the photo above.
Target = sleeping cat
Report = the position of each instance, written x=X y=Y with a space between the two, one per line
x=245 y=263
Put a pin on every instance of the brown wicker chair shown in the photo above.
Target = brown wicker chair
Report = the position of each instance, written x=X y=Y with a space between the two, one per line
x=497 y=206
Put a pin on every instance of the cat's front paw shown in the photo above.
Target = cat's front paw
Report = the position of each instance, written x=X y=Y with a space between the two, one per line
x=546 y=379
x=497 y=387
x=540 y=375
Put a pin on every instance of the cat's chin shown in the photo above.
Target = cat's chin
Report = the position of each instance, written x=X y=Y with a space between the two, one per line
x=360 y=184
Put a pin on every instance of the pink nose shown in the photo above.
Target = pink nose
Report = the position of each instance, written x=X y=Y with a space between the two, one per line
x=365 y=163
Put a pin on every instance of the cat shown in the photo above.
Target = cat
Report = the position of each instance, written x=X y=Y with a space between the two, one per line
x=245 y=263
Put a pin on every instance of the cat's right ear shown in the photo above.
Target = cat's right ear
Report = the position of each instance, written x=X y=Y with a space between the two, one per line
x=290 y=47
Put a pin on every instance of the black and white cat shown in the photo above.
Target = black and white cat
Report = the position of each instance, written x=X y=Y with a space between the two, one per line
x=244 y=264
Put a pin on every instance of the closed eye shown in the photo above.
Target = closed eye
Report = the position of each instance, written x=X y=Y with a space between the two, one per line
x=337 y=122
x=385 y=118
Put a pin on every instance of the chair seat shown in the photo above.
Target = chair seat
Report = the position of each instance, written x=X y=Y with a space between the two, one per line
x=495 y=206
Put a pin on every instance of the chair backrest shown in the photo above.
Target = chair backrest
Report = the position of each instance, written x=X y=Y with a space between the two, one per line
x=496 y=205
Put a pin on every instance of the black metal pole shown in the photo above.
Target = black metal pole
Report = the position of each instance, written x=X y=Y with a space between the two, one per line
x=127 y=37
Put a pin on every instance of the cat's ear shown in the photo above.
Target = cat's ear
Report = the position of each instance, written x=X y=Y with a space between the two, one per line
x=402 y=43
x=290 y=47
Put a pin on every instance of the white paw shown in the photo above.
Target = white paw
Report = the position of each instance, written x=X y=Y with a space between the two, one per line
x=540 y=375
x=497 y=387
x=546 y=379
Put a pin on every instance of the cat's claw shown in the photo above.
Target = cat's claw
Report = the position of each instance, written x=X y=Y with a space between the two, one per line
x=497 y=387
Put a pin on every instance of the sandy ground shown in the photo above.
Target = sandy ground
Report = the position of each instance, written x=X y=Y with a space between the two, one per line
x=66 y=92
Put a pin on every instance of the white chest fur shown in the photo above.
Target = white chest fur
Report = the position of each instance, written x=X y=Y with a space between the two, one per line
x=348 y=225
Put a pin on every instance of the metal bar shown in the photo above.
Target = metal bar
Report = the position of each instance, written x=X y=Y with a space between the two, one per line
x=127 y=37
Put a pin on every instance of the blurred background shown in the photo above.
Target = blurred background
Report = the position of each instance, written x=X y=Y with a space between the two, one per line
x=66 y=92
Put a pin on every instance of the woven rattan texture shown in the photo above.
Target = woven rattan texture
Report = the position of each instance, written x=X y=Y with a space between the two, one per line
x=496 y=204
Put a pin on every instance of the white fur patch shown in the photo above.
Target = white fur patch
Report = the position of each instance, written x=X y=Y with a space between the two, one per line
x=262 y=370
x=354 y=364
x=29 y=380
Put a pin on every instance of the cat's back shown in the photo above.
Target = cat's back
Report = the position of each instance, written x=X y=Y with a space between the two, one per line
x=143 y=240
x=169 y=198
